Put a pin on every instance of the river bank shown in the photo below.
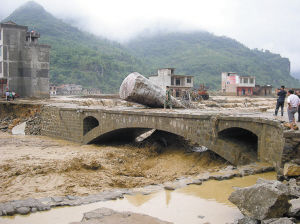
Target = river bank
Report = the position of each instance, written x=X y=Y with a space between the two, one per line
x=190 y=204
x=58 y=172
x=36 y=166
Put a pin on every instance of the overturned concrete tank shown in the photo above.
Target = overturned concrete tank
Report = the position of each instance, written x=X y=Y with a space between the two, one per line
x=137 y=88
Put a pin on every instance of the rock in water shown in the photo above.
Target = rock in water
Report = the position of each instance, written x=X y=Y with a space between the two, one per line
x=137 y=88
x=106 y=215
x=264 y=200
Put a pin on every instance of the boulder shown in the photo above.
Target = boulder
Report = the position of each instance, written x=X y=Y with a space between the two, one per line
x=137 y=88
x=23 y=210
x=291 y=169
x=105 y=215
x=294 y=188
x=247 y=220
x=264 y=200
x=279 y=221
x=294 y=210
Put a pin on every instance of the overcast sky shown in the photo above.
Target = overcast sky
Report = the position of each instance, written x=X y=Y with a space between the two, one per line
x=262 y=24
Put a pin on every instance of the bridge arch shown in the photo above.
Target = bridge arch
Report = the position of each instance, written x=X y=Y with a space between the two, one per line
x=89 y=123
x=107 y=132
x=239 y=145
x=243 y=124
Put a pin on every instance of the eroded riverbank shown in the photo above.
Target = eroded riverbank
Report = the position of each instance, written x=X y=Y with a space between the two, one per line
x=36 y=166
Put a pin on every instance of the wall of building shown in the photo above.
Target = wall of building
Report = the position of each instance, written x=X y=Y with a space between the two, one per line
x=244 y=91
x=162 y=80
x=30 y=78
x=263 y=91
x=25 y=65
x=183 y=81
x=165 y=77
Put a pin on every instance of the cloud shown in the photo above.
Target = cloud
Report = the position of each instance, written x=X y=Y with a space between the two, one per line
x=262 y=24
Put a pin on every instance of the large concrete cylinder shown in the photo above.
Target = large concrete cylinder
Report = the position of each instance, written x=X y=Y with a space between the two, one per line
x=137 y=88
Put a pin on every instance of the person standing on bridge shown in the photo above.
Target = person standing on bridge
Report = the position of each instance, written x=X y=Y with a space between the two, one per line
x=298 y=94
x=168 y=100
x=293 y=104
x=280 y=101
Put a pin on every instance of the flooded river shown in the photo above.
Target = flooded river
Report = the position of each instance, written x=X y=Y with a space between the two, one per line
x=206 y=203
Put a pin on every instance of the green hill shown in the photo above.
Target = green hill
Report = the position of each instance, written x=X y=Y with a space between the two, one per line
x=82 y=58
x=76 y=56
x=205 y=56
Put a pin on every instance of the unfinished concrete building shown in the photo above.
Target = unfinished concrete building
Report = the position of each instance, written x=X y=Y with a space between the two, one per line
x=179 y=84
x=24 y=63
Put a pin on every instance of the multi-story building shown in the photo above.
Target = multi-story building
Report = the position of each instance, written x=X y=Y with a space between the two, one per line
x=177 y=83
x=234 y=84
x=24 y=63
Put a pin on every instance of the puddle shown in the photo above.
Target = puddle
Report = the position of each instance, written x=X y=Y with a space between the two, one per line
x=193 y=204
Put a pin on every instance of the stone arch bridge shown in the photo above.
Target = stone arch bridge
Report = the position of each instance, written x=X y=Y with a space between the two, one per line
x=238 y=139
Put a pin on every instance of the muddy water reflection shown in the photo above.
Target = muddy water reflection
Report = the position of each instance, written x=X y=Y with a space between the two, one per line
x=192 y=204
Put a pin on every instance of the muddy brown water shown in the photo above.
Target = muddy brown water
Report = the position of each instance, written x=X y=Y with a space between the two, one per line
x=207 y=203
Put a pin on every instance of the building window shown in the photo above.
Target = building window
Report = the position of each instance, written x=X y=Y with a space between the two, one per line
x=245 y=80
x=177 y=82
x=188 y=80
x=0 y=50
x=177 y=93
x=251 y=80
x=0 y=66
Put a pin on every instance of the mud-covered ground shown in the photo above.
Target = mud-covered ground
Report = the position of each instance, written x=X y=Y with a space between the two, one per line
x=36 y=166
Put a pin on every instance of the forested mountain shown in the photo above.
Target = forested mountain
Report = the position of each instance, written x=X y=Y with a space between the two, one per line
x=76 y=56
x=82 y=58
x=205 y=56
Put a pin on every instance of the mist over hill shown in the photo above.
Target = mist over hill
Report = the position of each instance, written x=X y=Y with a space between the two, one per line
x=82 y=58
x=76 y=56
x=205 y=56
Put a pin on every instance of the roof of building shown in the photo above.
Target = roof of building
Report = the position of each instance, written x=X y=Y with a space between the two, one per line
x=167 y=68
x=12 y=24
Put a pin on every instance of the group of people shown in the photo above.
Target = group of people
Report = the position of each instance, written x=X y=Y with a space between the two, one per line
x=293 y=102
x=10 y=95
